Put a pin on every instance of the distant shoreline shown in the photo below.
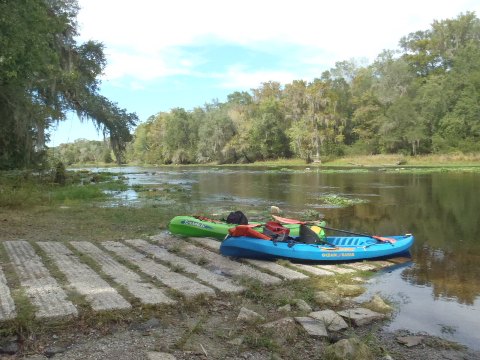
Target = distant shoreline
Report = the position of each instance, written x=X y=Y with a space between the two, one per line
x=446 y=160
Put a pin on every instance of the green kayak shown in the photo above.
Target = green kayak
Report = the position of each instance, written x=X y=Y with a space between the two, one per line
x=203 y=227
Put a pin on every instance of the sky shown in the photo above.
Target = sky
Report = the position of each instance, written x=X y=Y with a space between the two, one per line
x=186 y=53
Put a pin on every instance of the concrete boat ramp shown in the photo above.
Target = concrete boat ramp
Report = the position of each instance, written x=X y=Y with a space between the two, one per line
x=59 y=279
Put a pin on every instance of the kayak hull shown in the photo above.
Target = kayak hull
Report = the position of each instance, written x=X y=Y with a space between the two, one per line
x=342 y=248
x=191 y=226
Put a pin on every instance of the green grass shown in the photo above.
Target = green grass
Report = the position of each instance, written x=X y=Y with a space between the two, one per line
x=25 y=189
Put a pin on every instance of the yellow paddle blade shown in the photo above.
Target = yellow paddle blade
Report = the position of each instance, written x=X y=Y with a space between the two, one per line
x=316 y=229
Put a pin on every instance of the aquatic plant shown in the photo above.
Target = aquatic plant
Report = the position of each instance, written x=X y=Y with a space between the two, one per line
x=340 y=201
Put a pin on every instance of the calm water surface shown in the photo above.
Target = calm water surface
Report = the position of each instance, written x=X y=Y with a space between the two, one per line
x=437 y=292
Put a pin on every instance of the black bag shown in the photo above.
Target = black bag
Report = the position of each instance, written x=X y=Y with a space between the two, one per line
x=237 y=217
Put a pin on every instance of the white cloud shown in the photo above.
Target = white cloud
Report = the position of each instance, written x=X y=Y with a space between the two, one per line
x=143 y=37
x=143 y=66
x=238 y=78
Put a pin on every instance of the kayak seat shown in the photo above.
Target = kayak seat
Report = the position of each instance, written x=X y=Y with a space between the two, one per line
x=307 y=235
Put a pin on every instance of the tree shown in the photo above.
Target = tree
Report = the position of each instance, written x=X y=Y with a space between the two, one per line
x=268 y=139
x=214 y=132
x=44 y=74
x=181 y=134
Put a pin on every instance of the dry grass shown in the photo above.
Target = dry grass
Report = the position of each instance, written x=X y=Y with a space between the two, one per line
x=395 y=160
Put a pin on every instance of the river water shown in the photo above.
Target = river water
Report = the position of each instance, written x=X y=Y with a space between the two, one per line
x=437 y=292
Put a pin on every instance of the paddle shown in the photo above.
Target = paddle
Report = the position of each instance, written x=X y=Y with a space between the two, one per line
x=293 y=221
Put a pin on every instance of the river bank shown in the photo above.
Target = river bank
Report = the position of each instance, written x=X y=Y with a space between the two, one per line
x=383 y=160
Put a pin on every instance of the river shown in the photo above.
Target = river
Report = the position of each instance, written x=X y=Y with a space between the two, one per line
x=437 y=292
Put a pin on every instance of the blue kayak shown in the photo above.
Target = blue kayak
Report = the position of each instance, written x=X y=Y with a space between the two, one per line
x=339 y=248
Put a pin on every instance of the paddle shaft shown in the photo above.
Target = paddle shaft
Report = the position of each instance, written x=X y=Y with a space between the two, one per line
x=293 y=221
x=380 y=238
x=346 y=231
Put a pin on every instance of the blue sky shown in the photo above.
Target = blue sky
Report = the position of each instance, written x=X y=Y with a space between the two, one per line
x=185 y=53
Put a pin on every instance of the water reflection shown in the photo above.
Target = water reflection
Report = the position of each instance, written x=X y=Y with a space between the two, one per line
x=418 y=312
x=441 y=209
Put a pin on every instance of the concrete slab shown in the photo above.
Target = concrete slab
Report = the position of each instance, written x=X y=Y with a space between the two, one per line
x=216 y=262
x=282 y=271
x=279 y=270
x=7 y=305
x=181 y=283
x=361 y=266
x=42 y=289
x=336 y=269
x=147 y=293
x=209 y=243
x=218 y=281
x=313 y=270
x=99 y=294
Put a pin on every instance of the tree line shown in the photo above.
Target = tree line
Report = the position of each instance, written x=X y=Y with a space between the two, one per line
x=423 y=98
x=44 y=74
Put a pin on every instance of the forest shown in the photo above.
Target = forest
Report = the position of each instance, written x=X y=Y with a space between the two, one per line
x=422 y=98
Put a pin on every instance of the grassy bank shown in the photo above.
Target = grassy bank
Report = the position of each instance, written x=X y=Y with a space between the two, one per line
x=35 y=207
x=357 y=161
x=406 y=161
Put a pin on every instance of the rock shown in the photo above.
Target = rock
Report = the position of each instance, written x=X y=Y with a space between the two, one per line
x=378 y=304
x=350 y=290
x=313 y=327
x=285 y=308
x=302 y=305
x=10 y=348
x=249 y=316
x=154 y=355
x=53 y=350
x=410 y=341
x=324 y=298
x=275 y=210
x=331 y=319
x=360 y=316
x=348 y=349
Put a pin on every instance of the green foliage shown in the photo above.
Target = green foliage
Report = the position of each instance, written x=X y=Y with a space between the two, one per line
x=26 y=189
x=268 y=139
x=422 y=99
x=83 y=152
x=44 y=74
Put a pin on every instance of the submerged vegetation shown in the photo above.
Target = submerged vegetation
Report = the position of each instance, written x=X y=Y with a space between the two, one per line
x=340 y=201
